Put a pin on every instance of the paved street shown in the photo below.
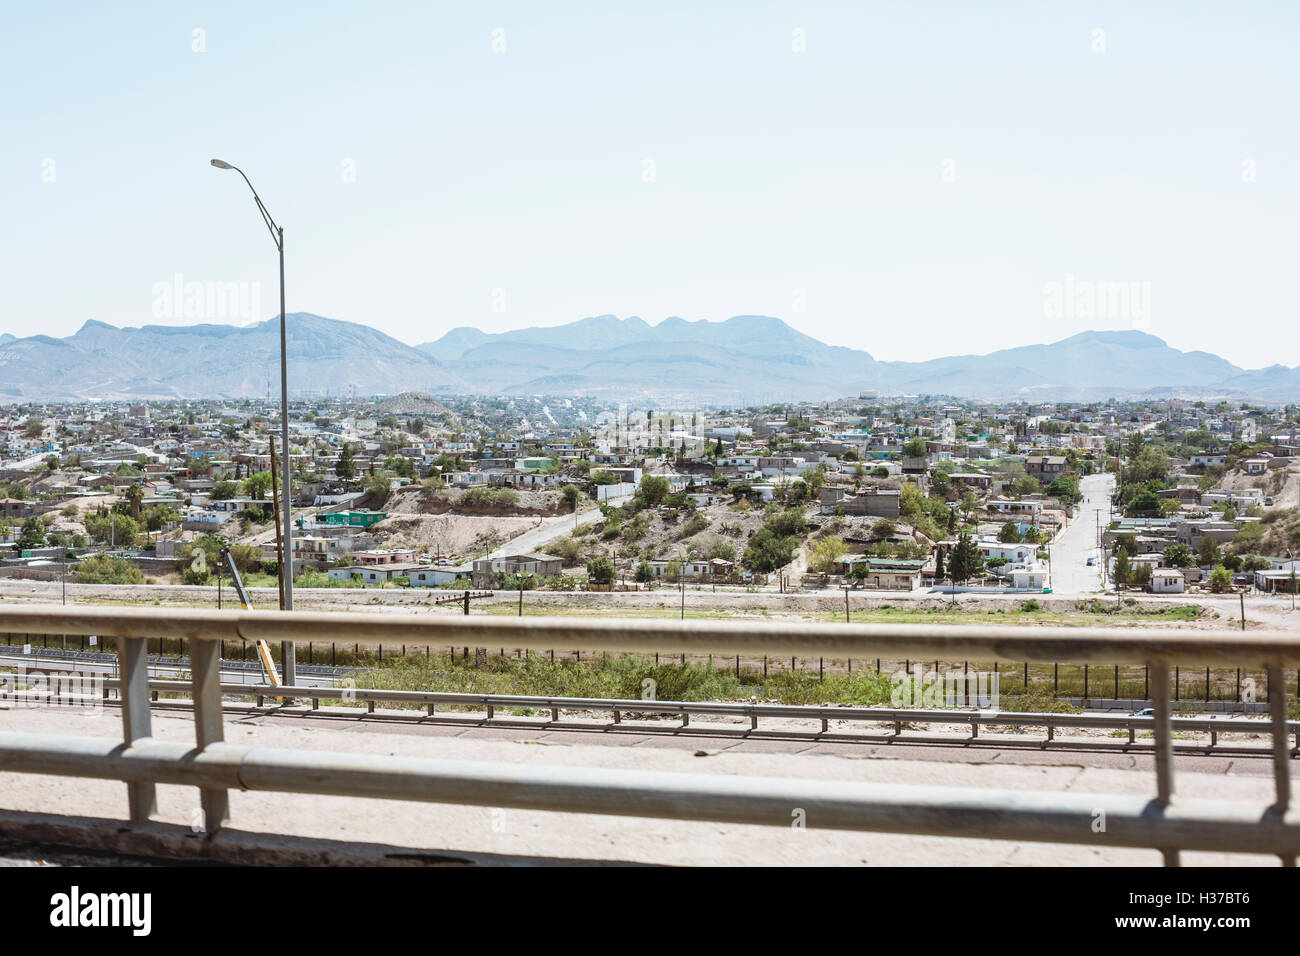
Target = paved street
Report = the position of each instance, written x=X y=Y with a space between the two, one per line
x=1071 y=574
x=537 y=538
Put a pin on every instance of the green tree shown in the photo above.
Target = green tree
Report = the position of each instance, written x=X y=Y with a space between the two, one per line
x=644 y=573
x=823 y=553
x=223 y=491
x=134 y=496
x=118 y=530
x=1207 y=551
x=257 y=485
x=1009 y=533
x=653 y=490
x=1179 y=556
x=1145 y=503
x=1123 y=567
x=346 y=466
x=32 y=535
x=571 y=495
x=768 y=550
x=1220 y=580
x=600 y=570
x=965 y=562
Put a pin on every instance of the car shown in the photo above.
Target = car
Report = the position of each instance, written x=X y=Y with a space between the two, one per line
x=1091 y=562
x=1144 y=712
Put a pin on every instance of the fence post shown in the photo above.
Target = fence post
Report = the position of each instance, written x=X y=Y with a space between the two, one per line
x=1164 y=743
x=205 y=659
x=1281 y=754
x=133 y=667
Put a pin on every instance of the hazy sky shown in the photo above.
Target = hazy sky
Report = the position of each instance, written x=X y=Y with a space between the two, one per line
x=906 y=178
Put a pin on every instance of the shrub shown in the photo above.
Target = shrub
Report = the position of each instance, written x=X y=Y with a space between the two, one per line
x=697 y=524
x=102 y=569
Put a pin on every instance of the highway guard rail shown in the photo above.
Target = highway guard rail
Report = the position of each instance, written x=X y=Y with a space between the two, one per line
x=1160 y=821
x=685 y=709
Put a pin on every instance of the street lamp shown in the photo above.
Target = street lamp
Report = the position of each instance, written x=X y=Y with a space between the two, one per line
x=286 y=556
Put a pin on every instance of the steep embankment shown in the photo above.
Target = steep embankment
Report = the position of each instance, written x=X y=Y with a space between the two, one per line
x=461 y=524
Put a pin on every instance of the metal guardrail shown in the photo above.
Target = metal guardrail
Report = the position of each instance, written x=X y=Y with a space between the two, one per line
x=753 y=711
x=1160 y=822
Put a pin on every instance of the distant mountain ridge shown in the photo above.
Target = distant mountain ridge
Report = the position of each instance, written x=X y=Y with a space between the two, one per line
x=746 y=359
x=101 y=361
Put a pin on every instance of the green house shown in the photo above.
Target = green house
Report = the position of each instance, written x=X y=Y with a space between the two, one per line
x=352 y=519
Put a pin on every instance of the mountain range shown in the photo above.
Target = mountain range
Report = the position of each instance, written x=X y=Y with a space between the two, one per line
x=745 y=359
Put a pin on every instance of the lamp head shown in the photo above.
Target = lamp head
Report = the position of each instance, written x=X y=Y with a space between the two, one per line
x=221 y=164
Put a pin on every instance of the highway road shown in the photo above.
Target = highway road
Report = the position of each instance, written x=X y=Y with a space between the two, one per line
x=1071 y=573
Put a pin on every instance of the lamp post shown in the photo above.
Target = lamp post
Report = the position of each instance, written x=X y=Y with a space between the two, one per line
x=286 y=557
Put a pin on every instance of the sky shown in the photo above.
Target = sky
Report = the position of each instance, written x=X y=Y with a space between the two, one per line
x=913 y=179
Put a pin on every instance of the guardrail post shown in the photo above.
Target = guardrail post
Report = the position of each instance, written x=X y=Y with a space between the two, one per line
x=133 y=666
x=205 y=663
x=1281 y=756
x=1164 y=744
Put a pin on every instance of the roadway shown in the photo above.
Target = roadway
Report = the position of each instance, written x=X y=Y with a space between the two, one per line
x=1072 y=576
x=537 y=538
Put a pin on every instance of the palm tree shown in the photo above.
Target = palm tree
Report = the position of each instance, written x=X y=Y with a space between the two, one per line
x=134 y=495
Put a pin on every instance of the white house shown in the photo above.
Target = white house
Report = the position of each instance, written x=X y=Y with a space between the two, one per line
x=1167 y=581
x=1036 y=578
x=1015 y=554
